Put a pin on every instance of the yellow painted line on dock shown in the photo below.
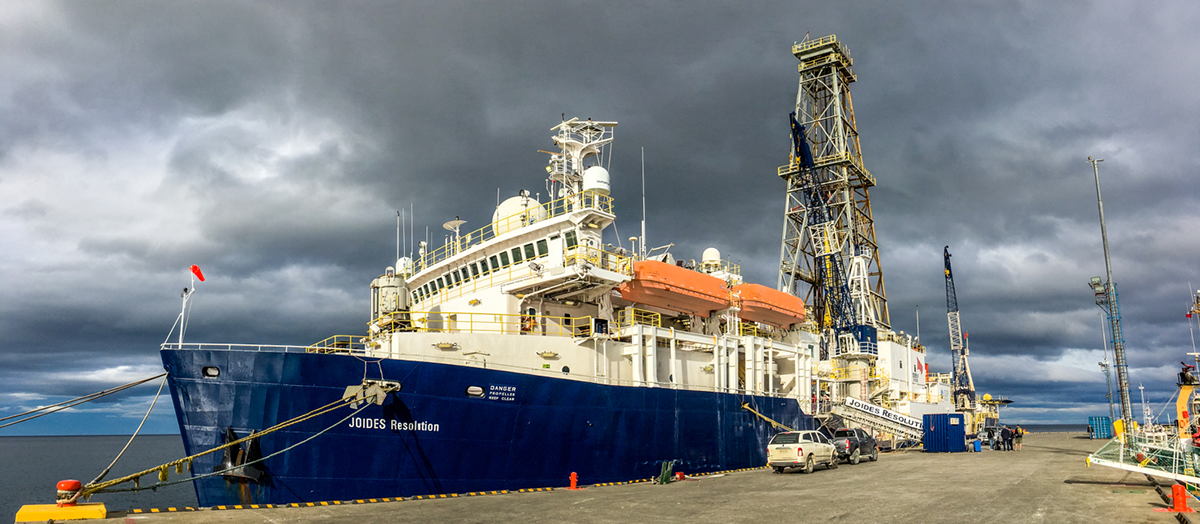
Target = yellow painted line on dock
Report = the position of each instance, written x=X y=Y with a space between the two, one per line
x=418 y=497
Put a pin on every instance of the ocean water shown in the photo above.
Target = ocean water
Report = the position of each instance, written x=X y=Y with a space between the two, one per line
x=30 y=468
x=1051 y=428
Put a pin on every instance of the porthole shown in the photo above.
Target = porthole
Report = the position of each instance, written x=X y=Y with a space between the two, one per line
x=566 y=370
x=211 y=371
x=475 y=391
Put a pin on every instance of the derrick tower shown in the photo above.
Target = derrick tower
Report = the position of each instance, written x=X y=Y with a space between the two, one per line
x=825 y=113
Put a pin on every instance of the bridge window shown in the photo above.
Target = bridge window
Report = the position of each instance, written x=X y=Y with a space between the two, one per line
x=474 y=270
x=494 y=264
x=529 y=253
x=569 y=237
x=542 y=248
x=516 y=253
x=503 y=259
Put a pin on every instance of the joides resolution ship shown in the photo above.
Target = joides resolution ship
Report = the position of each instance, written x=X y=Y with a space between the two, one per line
x=511 y=357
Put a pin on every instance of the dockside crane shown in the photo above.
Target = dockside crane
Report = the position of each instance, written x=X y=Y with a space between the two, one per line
x=837 y=312
x=962 y=385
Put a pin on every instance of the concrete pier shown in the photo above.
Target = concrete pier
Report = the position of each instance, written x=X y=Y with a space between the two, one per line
x=1046 y=482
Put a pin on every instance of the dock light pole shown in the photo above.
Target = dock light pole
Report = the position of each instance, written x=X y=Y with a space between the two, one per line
x=1106 y=298
x=1108 y=381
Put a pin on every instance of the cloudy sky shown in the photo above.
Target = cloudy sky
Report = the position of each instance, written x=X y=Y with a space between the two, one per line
x=271 y=143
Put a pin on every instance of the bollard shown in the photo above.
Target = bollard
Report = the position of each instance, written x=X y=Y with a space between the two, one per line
x=574 y=481
x=1179 y=497
x=66 y=491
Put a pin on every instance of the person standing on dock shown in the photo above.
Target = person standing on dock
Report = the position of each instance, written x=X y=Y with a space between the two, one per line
x=1017 y=434
x=1006 y=439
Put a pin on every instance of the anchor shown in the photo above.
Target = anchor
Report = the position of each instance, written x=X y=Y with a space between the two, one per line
x=234 y=461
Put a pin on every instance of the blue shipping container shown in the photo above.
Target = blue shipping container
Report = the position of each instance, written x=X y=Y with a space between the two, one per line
x=945 y=433
x=1101 y=427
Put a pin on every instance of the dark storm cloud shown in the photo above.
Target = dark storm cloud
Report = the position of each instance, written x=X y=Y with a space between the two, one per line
x=272 y=143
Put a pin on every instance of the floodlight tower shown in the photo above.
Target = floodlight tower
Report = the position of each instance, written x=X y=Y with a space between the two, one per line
x=825 y=112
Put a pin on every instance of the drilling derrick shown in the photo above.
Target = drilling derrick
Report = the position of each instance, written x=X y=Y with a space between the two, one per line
x=829 y=246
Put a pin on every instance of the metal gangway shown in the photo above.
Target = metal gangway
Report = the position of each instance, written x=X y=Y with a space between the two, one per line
x=876 y=423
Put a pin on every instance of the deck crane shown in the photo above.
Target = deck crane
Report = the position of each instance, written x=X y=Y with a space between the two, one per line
x=962 y=386
x=838 y=312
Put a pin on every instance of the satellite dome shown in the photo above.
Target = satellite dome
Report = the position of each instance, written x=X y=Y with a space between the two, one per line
x=595 y=178
x=517 y=212
x=711 y=254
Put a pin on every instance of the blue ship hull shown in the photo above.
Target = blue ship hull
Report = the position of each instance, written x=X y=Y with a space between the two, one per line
x=432 y=437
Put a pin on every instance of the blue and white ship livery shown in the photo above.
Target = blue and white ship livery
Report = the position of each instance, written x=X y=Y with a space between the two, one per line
x=521 y=352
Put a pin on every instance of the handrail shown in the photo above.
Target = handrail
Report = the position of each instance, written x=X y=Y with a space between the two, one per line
x=600 y=258
x=338 y=344
x=473 y=322
x=589 y=199
x=633 y=316
x=722 y=265
x=212 y=346
x=503 y=367
x=809 y=44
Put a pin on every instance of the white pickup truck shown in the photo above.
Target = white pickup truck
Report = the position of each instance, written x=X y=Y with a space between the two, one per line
x=800 y=449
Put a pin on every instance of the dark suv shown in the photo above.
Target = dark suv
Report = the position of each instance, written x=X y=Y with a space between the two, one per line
x=853 y=444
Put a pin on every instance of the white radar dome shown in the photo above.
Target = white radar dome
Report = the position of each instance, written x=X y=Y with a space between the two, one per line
x=595 y=178
x=711 y=254
x=404 y=265
x=517 y=212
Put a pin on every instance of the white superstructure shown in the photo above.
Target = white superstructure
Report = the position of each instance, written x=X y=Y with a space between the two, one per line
x=538 y=291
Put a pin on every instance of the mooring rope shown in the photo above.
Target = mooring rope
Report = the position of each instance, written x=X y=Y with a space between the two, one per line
x=135 y=433
x=774 y=424
x=91 y=488
x=74 y=402
x=157 y=485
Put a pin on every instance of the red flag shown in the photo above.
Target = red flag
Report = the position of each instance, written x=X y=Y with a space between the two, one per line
x=196 y=271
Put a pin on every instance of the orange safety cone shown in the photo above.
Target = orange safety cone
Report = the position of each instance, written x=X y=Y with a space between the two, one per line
x=1179 y=497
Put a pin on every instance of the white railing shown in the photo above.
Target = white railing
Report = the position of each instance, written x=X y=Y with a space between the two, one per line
x=480 y=364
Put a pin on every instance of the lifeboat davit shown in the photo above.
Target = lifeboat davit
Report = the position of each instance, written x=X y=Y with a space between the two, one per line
x=675 y=288
x=769 y=306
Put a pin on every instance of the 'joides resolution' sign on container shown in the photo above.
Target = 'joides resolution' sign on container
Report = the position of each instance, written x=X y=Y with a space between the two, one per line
x=867 y=407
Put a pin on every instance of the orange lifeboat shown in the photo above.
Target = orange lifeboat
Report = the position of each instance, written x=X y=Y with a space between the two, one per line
x=769 y=306
x=675 y=288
